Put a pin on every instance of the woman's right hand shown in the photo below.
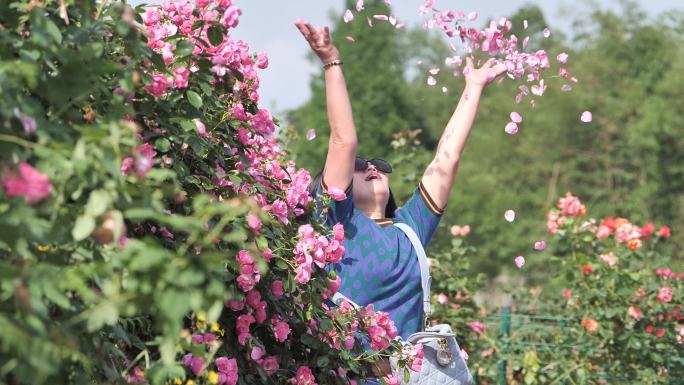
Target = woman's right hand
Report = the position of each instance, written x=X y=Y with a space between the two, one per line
x=319 y=40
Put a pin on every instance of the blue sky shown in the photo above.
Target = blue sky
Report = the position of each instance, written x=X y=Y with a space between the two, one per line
x=267 y=25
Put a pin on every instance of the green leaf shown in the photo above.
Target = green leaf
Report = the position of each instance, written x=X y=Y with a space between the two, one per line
x=407 y=375
x=215 y=34
x=322 y=361
x=98 y=201
x=84 y=225
x=184 y=48
x=162 y=144
x=104 y=313
x=194 y=99
x=188 y=125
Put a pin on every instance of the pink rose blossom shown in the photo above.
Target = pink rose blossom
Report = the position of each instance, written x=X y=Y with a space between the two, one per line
x=159 y=85
x=664 y=295
x=277 y=288
x=29 y=183
x=270 y=365
x=228 y=371
x=304 y=376
x=180 y=80
x=635 y=312
x=281 y=330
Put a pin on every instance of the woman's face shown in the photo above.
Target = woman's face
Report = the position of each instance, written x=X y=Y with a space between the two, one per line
x=371 y=188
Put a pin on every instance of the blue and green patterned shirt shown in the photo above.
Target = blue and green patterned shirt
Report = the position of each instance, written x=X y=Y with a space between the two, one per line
x=380 y=265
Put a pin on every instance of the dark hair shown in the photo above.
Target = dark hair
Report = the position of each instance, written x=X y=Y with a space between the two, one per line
x=390 y=209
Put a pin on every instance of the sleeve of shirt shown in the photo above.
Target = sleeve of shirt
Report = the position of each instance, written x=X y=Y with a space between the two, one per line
x=338 y=211
x=421 y=213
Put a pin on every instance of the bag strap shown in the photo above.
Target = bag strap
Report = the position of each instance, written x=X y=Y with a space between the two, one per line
x=425 y=278
x=339 y=298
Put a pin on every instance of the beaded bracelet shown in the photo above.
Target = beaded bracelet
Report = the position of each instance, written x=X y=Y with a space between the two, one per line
x=332 y=63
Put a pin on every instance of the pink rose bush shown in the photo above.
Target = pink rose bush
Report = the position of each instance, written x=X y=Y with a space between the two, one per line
x=178 y=237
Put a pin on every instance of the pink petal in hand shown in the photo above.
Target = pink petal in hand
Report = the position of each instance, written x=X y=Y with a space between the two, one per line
x=519 y=261
x=586 y=117
x=516 y=118
x=348 y=16
x=511 y=128
x=509 y=215
x=310 y=134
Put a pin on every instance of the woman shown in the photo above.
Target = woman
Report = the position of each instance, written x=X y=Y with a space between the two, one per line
x=380 y=264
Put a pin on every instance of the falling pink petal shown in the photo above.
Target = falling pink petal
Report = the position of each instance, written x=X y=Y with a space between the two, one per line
x=444 y=90
x=348 y=16
x=431 y=81
x=533 y=103
x=566 y=88
x=539 y=245
x=573 y=79
x=547 y=32
x=463 y=354
x=472 y=16
x=381 y=17
x=524 y=24
x=419 y=62
x=393 y=20
x=350 y=38
x=388 y=2
x=453 y=60
x=519 y=261
x=586 y=117
x=434 y=71
x=509 y=215
x=359 y=6
x=525 y=41
x=310 y=134
x=401 y=25
x=370 y=22
x=511 y=128
x=453 y=47
x=562 y=57
x=516 y=118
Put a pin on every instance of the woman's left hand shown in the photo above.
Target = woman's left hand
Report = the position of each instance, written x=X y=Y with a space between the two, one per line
x=482 y=76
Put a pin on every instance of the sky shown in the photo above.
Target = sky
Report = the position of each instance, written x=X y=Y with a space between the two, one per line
x=268 y=26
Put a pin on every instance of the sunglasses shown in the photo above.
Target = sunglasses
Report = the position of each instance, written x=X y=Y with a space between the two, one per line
x=361 y=164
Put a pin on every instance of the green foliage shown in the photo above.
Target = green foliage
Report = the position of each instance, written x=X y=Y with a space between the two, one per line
x=106 y=277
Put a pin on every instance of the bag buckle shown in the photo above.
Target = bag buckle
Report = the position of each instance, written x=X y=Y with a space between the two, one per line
x=443 y=354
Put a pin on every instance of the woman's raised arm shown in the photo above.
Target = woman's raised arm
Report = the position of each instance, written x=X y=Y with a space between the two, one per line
x=339 y=163
x=440 y=174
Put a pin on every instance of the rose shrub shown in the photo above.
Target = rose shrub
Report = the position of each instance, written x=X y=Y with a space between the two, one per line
x=151 y=226
x=611 y=312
